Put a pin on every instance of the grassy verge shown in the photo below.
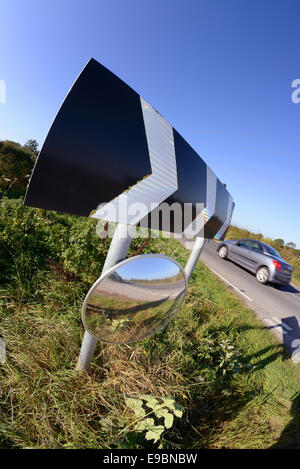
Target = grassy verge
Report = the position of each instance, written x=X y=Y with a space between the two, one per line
x=235 y=383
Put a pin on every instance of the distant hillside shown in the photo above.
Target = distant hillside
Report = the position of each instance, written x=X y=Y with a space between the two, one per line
x=289 y=254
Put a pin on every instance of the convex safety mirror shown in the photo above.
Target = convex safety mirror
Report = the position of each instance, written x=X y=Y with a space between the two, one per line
x=134 y=299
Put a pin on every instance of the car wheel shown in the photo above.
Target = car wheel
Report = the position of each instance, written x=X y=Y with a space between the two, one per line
x=262 y=275
x=223 y=252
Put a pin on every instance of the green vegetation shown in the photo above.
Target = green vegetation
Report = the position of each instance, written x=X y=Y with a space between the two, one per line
x=215 y=377
x=32 y=146
x=119 y=321
x=16 y=163
x=149 y=411
x=287 y=251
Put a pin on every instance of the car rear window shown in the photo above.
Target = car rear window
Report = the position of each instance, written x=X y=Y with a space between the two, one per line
x=273 y=251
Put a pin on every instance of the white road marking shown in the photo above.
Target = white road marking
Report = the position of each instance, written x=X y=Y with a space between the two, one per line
x=296 y=353
x=271 y=323
x=233 y=286
x=288 y=328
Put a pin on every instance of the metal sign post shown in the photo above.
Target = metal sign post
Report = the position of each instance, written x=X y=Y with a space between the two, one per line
x=118 y=249
x=198 y=246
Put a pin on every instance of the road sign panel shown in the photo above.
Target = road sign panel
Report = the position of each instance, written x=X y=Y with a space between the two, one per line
x=110 y=155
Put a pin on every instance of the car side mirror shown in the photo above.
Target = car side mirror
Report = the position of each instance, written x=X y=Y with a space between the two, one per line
x=237 y=243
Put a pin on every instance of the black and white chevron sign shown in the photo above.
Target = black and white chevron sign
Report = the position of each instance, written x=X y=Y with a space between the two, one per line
x=110 y=155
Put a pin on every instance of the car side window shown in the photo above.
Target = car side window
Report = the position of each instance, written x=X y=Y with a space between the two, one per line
x=243 y=243
x=257 y=247
x=254 y=246
x=249 y=244
x=246 y=243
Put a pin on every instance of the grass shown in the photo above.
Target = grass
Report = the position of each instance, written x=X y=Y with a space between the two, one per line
x=118 y=321
x=215 y=358
x=237 y=385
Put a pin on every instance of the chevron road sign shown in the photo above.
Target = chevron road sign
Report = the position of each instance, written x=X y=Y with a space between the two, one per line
x=110 y=155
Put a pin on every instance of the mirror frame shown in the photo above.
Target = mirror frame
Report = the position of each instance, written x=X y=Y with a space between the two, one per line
x=112 y=269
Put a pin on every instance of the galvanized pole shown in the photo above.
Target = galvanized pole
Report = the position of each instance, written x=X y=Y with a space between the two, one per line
x=194 y=256
x=118 y=249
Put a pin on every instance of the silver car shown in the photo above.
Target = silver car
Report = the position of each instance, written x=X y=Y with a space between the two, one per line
x=259 y=258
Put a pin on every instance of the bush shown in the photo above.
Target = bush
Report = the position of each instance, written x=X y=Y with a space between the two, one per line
x=16 y=163
x=34 y=240
x=29 y=238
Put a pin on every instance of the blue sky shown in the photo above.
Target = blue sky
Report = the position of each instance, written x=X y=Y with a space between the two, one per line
x=143 y=268
x=219 y=71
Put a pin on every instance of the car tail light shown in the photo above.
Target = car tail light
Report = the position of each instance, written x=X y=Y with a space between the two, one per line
x=277 y=265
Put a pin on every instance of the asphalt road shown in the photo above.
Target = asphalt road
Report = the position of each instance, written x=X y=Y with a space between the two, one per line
x=277 y=306
x=139 y=292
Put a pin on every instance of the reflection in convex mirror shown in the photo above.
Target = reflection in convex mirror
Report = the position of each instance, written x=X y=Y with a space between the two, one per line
x=134 y=299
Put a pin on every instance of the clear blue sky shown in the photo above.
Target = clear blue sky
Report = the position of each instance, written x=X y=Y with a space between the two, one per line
x=219 y=71
x=143 y=268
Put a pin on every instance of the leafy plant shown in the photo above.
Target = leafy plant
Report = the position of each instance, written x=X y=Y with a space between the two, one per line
x=154 y=414
x=220 y=355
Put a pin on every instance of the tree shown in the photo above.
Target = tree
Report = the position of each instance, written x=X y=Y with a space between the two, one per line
x=291 y=245
x=16 y=164
x=279 y=242
x=32 y=146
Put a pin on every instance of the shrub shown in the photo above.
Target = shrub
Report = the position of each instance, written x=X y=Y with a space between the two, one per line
x=29 y=238
x=16 y=163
